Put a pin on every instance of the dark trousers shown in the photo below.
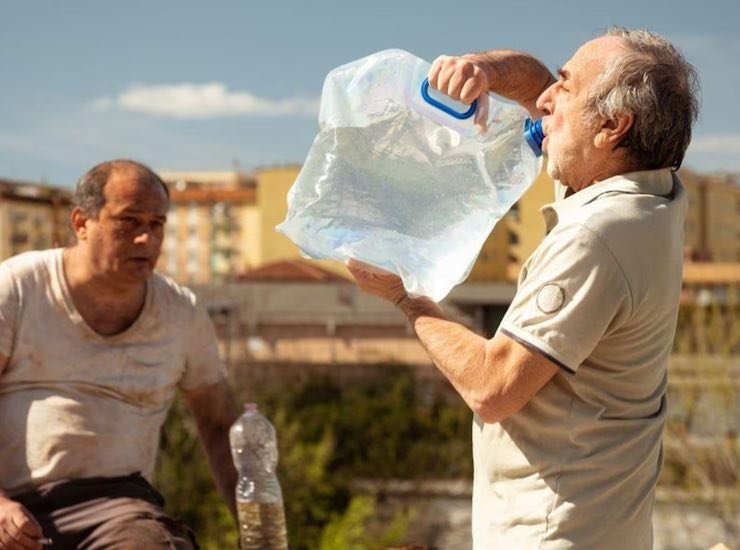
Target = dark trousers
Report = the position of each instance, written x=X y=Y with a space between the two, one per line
x=121 y=513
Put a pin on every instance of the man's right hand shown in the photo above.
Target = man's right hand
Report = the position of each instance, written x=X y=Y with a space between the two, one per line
x=18 y=528
x=463 y=80
x=514 y=75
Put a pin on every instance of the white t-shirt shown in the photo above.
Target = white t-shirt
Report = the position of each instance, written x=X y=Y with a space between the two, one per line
x=577 y=466
x=77 y=404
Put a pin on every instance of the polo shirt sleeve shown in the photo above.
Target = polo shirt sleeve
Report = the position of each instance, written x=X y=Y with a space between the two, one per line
x=203 y=366
x=8 y=310
x=572 y=294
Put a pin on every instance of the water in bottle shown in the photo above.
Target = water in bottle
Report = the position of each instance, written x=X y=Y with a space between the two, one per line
x=259 y=499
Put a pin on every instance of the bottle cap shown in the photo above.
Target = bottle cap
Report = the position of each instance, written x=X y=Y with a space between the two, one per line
x=534 y=135
x=250 y=407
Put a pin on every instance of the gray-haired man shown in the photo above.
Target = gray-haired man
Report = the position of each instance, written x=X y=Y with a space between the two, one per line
x=569 y=394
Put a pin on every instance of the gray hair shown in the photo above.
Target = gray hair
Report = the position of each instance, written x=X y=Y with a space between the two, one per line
x=89 y=195
x=654 y=83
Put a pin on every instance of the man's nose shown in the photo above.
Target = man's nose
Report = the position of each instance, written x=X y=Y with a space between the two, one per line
x=144 y=236
x=544 y=102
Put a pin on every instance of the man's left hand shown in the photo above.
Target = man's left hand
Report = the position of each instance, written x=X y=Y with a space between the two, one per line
x=377 y=282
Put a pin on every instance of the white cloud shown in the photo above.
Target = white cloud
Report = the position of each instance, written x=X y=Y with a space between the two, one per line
x=189 y=101
x=716 y=143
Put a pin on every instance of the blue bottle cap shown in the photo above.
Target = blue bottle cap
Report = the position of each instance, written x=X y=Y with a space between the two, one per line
x=534 y=135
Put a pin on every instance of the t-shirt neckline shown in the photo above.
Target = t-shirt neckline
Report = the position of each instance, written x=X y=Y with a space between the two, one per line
x=64 y=295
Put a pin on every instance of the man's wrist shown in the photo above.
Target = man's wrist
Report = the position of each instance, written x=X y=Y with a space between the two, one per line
x=415 y=307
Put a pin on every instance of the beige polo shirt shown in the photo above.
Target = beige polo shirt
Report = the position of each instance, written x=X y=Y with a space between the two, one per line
x=577 y=466
x=77 y=404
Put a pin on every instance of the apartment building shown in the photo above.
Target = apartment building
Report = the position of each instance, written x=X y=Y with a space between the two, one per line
x=33 y=216
x=223 y=223
x=713 y=219
x=212 y=227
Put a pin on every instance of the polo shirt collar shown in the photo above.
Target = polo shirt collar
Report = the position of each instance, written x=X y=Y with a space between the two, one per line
x=647 y=182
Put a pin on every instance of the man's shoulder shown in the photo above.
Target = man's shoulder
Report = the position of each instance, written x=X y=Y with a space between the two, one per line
x=173 y=293
x=626 y=217
x=30 y=263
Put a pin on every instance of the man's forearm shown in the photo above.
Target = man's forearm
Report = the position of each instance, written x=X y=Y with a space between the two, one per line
x=222 y=468
x=495 y=377
x=515 y=75
x=214 y=413
x=458 y=353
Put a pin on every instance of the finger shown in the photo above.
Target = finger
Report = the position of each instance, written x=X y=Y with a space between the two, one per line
x=359 y=270
x=481 y=113
x=355 y=264
x=443 y=79
x=471 y=89
x=17 y=539
x=27 y=542
x=369 y=270
x=435 y=70
x=455 y=86
x=5 y=538
x=27 y=524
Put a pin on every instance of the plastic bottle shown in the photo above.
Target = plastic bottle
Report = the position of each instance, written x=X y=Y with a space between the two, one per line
x=400 y=177
x=259 y=499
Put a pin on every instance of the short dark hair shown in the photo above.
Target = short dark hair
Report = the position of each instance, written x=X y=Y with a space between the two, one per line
x=89 y=195
x=655 y=83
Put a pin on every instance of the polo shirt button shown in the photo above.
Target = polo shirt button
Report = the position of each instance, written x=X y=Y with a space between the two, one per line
x=550 y=298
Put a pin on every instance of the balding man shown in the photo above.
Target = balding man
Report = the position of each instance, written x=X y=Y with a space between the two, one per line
x=569 y=394
x=93 y=346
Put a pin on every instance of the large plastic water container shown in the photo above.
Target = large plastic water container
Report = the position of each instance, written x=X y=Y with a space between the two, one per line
x=399 y=176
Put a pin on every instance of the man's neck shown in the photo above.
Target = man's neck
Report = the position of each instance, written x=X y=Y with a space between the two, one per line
x=607 y=169
x=108 y=306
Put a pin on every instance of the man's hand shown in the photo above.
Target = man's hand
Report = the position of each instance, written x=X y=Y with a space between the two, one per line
x=459 y=77
x=377 y=282
x=514 y=75
x=463 y=80
x=18 y=528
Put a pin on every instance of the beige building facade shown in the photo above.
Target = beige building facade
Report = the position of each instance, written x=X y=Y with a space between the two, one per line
x=212 y=230
x=223 y=223
x=713 y=219
x=33 y=217
x=512 y=240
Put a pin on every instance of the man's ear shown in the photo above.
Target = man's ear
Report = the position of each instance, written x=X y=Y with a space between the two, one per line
x=613 y=131
x=78 y=220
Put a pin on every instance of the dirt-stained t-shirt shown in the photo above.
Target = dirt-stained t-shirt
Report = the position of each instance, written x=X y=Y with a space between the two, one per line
x=78 y=404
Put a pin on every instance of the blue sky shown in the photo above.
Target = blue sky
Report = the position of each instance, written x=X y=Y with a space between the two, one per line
x=185 y=85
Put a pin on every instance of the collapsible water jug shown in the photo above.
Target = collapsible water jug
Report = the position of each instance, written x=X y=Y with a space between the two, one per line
x=400 y=178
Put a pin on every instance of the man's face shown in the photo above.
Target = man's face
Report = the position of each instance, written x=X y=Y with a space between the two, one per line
x=125 y=240
x=570 y=126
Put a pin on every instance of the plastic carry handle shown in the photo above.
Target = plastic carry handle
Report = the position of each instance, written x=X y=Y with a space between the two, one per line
x=444 y=108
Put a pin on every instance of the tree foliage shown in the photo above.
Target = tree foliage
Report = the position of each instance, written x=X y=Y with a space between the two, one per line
x=327 y=436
